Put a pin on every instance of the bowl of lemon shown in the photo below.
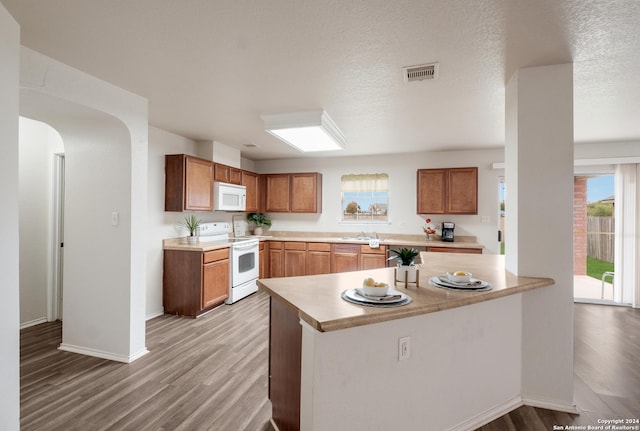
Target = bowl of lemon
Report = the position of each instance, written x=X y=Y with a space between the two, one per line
x=459 y=276
x=374 y=288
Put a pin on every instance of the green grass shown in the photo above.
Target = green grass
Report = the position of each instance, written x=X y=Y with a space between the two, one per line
x=595 y=267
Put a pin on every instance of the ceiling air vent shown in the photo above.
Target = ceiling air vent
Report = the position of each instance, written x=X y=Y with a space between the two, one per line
x=421 y=72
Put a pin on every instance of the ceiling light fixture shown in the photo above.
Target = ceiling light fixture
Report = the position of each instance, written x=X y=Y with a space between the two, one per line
x=306 y=131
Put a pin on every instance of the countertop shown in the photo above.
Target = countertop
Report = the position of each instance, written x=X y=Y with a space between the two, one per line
x=316 y=299
x=332 y=237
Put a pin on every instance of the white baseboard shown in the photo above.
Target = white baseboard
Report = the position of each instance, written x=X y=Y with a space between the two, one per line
x=154 y=315
x=550 y=405
x=33 y=322
x=103 y=355
x=489 y=415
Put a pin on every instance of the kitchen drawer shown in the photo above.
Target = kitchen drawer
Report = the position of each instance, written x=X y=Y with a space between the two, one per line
x=368 y=250
x=212 y=256
x=295 y=245
x=348 y=248
x=455 y=250
x=318 y=246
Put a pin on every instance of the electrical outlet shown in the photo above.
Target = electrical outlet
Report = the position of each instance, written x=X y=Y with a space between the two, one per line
x=115 y=218
x=486 y=219
x=404 y=348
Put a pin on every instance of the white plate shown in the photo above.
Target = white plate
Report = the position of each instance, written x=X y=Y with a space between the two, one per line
x=395 y=298
x=473 y=285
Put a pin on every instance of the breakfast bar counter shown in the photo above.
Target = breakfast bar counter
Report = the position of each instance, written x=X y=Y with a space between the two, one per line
x=317 y=299
x=448 y=360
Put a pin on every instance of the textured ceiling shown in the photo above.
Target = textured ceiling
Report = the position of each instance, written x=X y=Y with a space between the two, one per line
x=210 y=68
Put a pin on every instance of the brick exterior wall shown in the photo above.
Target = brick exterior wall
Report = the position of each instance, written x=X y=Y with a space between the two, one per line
x=580 y=225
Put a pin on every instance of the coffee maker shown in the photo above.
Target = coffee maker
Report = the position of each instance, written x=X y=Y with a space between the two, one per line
x=447 y=231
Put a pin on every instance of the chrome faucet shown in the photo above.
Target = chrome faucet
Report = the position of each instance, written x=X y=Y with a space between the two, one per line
x=375 y=235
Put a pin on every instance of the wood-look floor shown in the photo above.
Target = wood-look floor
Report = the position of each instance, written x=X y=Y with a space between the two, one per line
x=211 y=374
x=208 y=373
x=606 y=373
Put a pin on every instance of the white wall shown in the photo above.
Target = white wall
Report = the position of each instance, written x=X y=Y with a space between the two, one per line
x=9 y=246
x=38 y=143
x=402 y=195
x=606 y=150
x=463 y=371
x=539 y=167
x=104 y=130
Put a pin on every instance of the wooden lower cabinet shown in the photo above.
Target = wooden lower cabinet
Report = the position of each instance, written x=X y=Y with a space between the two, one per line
x=193 y=281
x=371 y=258
x=345 y=257
x=276 y=259
x=294 y=258
x=216 y=278
x=263 y=261
x=285 y=363
x=318 y=258
x=295 y=254
x=455 y=250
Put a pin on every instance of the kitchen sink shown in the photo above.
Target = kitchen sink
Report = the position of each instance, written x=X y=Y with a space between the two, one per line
x=360 y=238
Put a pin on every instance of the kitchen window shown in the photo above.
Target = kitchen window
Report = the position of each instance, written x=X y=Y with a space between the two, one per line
x=365 y=198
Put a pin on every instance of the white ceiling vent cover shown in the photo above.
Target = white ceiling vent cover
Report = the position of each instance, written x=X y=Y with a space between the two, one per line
x=420 y=72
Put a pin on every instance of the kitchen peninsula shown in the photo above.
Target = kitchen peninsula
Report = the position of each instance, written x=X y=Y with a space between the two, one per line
x=335 y=365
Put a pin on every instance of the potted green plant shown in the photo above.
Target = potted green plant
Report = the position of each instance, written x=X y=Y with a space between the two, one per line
x=406 y=264
x=192 y=223
x=258 y=220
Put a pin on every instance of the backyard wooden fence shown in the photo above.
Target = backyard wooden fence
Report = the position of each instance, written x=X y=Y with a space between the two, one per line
x=600 y=238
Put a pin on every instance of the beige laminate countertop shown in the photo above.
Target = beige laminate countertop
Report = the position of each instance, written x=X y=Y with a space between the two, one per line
x=181 y=244
x=317 y=301
x=392 y=240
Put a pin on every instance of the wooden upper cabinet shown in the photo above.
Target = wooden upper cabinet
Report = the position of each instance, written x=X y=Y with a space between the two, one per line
x=447 y=191
x=463 y=191
x=250 y=181
x=277 y=193
x=227 y=174
x=235 y=175
x=299 y=192
x=188 y=183
x=432 y=191
x=306 y=193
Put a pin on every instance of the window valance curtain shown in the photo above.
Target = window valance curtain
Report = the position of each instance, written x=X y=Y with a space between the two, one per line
x=365 y=182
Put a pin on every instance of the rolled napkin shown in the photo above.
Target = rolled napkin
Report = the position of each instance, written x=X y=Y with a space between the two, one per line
x=360 y=292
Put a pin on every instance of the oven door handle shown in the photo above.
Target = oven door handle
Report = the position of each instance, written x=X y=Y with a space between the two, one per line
x=244 y=247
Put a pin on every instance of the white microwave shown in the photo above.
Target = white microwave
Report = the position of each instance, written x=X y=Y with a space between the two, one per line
x=229 y=197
